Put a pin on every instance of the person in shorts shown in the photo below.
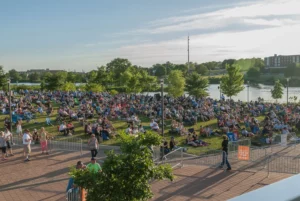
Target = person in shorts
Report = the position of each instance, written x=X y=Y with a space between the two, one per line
x=26 y=143
x=8 y=138
x=3 y=145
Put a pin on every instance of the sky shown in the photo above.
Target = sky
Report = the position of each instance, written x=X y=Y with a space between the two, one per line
x=81 y=35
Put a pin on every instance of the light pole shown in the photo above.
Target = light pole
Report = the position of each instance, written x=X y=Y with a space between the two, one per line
x=287 y=91
x=162 y=113
x=10 y=113
x=248 y=91
x=219 y=87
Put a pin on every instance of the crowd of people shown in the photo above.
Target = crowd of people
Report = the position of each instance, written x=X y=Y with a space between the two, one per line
x=97 y=111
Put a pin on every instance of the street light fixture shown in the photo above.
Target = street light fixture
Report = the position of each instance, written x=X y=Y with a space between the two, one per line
x=248 y=91
x=162 y=111
x=287 y=90
x=10 y=113
x=219 y=87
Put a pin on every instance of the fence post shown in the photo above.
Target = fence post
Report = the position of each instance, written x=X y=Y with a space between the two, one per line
x=269 y=165
x=181 y=162
x=80 y=147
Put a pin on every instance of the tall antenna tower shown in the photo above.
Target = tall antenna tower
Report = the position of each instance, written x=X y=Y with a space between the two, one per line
x=189 y=53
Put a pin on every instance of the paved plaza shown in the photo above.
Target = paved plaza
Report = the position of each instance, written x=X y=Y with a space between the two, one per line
x=46 y=177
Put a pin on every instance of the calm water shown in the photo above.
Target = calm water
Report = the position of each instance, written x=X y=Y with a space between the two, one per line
x=254 y=93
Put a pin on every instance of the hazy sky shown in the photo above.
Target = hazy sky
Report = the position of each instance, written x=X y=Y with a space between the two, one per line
x=81 y=35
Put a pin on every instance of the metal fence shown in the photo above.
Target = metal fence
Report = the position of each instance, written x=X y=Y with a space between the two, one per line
x=65 y=143
x=57 y=143
x=74 y=194
x=233 y=145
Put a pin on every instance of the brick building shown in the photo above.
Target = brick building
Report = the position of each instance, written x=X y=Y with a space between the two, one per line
x=281 y=61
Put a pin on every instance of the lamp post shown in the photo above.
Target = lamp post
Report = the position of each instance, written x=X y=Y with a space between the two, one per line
x=248 y=91
x=287 y=90
x=162 y=104
x=219 y=87
x=10 y=113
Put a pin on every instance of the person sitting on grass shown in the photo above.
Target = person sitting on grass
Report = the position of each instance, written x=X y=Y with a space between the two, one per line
x=63 y=128
x=173 y=143
x=154 y=126
x=70 y=128
x=190 y=141
x=245 y=133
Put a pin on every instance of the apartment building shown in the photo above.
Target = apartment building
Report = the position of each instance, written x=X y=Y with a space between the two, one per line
x=281 y=61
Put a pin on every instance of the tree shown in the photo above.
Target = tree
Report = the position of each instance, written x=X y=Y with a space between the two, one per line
x=103 y=77
x=33 y=77
x=277 y=91
x=159 y=70
x=71 y=77
x=55 y=81
x=196 y=85
x=176 y=83
x=3 y=78
x=118 y=66
x=131 y=80
x=127 y=173
x=253 y=72
x=148 y=83
x=233 y=82
x=182 y=67
x=201 y=69
x=93 y=87
x=14 y=75
x=227 y=62
x=68 y=86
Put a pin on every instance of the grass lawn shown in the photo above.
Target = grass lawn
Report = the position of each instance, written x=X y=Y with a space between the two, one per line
x=121 y=125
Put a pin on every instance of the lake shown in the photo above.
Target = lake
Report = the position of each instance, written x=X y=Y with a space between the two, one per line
x=254 y=93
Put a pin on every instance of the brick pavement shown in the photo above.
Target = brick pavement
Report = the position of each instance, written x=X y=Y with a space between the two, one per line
x=44 y=178
x=197 y=183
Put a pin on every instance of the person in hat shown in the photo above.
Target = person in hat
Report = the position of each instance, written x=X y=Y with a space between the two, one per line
x=225 y=153
x=26 y=143
x=94 y=166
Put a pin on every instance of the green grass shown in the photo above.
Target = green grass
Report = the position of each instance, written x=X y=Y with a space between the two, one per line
x=121 y=125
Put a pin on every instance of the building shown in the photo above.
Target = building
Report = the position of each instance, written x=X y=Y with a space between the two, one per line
x=281 y=61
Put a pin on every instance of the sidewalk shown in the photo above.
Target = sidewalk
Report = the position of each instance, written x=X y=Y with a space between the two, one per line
x=197 y=183
x=45 y=177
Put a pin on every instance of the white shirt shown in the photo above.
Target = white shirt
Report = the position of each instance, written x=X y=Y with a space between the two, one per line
x=26 y=136
x=62 y=127
x=7 y=135
x=154 y=125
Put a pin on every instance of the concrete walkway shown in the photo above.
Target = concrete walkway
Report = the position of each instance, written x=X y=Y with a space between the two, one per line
x=45 y=178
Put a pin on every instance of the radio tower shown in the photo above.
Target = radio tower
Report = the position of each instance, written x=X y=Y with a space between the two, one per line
x=189 y=53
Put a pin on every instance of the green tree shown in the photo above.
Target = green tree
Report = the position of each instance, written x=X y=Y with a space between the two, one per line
x=104 y=77
x=71 y=77
x=94 y=87
x=233 y=82
x=196 y=85
x=14 y=75
x=127 y=173
x=131 y=80
x=147 y=82
x=55 y=81
x=33 y=77
x=118 y=66
x=253 y=72
x=182 y=67
x=68 y=86
x=227 y=62
x=201 y=69
x=277 y=91
x=176 y=83
x=159 y=70
x=3 y=78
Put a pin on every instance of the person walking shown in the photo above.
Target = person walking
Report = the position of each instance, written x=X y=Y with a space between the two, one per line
x=8 y=138
x=43 y=140
x=94 y=166
x=225 y=153
x=93 y=145
x=3 y=145
x=26 y=143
